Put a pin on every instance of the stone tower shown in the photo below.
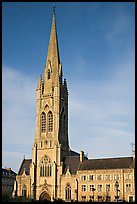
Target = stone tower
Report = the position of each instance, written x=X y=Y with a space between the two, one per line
x=51 y=139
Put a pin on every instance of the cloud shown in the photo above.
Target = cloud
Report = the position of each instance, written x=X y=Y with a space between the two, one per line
x=102 y=115
x=18 y=111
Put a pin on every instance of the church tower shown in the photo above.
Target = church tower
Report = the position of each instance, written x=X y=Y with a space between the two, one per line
x=51 y=138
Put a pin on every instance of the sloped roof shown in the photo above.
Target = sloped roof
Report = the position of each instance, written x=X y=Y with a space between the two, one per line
x=25 y=165
x=108 y=163
x=73 y=163
x=73 y=153
x=8 y=171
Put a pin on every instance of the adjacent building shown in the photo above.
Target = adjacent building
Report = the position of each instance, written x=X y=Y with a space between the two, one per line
x=8 y=178
x=55 y=171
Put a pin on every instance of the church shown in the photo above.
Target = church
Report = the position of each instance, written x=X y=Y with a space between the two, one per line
x=55 y=171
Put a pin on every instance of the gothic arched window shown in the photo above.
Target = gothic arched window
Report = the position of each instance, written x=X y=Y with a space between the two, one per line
x=50 y=121
x=43 y=122
x=24 y=191
x=68 y=192
x=45 y=167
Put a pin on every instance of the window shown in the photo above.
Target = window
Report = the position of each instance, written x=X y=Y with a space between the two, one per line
x=41 y=144
x=99 y=188
x=107 y=177
x=48 y=73
x=128 y=187
x=43 y=122
x=83 y=188
x=24 y=191
x=117 y=187
x=83 y=178
x=50 y=121
x=68 y=193
x=130 y=198
x=45 y=167
x=107 y=187
x=46 y=142
x=116 y=176
x=99 y=177
x=108 y=198
x=91 y=198
x=99 y=198
x=91 y=187
x=128 y=176
x=50 y=144
x=83 y=198
x=91 y=177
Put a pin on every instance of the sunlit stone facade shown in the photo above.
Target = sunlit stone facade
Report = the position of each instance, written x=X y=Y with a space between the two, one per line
x=55 y=171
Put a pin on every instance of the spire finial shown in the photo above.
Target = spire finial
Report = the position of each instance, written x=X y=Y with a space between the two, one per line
x=54 y=9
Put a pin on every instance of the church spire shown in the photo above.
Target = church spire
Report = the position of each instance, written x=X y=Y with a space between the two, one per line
x=53 y=50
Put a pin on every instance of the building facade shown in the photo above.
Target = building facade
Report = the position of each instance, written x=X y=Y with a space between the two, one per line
x=8 y=178
x=55 y=171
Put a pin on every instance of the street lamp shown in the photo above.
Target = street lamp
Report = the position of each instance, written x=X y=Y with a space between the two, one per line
x=116 y=186
x=93 y=189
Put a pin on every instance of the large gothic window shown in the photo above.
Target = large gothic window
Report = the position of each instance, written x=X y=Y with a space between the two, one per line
x=45 y=167
x=24 y=191
x=68 y=193
x=50 y=121
x=43 y=122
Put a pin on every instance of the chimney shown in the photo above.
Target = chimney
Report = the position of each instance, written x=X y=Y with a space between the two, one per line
x=8 y=169
x=81 y=156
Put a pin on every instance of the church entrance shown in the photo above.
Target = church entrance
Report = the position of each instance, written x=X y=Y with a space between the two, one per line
x=44 y=196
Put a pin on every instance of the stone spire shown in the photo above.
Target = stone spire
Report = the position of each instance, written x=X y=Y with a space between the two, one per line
x=53 y=51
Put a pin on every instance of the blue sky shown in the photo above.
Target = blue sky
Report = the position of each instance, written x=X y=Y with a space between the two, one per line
x=97 y=51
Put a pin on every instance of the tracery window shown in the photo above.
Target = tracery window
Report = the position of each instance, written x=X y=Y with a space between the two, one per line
x=24 y=191
x=68 y=192
x=45 y=167
x=43 y=122
x=50 y=121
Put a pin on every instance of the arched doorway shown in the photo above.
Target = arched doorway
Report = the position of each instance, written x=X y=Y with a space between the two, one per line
x=45 y=196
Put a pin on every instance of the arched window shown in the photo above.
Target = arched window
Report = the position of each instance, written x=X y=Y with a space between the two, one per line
x=68 y=193
x=50 y=121
x=24 y=191
x=45 y=167
x=43 y=122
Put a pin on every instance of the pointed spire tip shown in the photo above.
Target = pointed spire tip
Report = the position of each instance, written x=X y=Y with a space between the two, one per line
x=54 y=10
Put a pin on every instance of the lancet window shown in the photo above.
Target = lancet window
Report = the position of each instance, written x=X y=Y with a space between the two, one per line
x=68 y=193
x=48 y=73
x=24 y=191
x=43 y=122
x=50 y=121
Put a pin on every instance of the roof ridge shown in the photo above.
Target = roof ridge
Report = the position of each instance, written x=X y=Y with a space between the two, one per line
x=109 y=158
